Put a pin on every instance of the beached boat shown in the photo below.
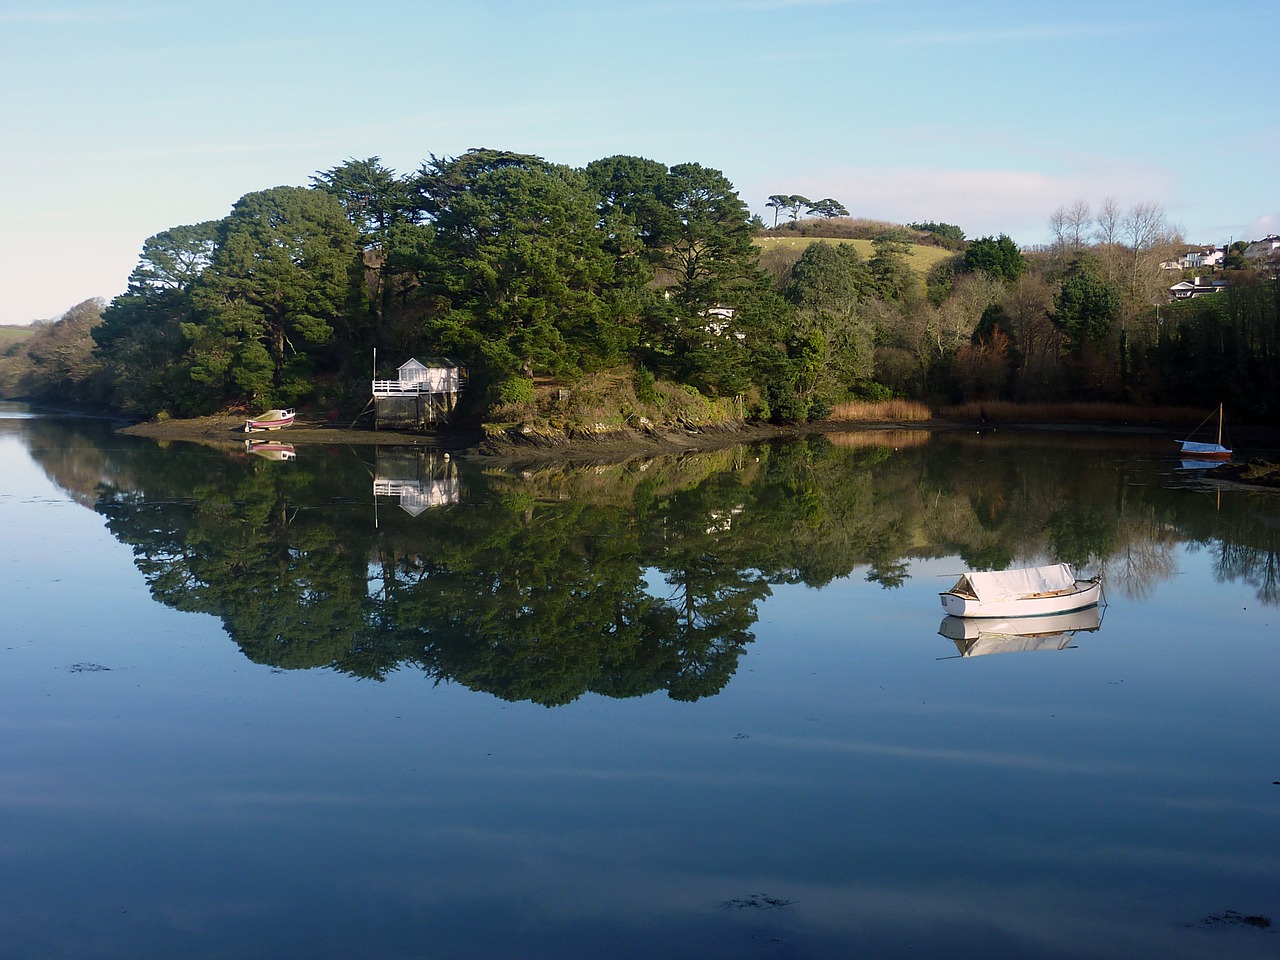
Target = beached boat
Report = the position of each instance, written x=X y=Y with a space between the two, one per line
x=980 y=637
x=271 y=420
x=1197 y=450
x=1026 y=592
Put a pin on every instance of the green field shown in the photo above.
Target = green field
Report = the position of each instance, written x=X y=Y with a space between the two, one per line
x=921 y=258
x=11 y=335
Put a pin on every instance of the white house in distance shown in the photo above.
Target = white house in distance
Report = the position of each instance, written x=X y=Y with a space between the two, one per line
x=1197 y=258
x=424 y=392
x=1197 y=287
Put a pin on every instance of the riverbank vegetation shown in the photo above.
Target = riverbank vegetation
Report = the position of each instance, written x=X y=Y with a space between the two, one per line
x=541 y=279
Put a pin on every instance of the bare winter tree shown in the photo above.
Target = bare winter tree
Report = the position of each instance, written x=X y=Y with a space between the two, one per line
x=1108 y=222
x=1106 y=235
x=1070 y=225
x=1149 y=239
x=1143 y=226
x=1079 y=219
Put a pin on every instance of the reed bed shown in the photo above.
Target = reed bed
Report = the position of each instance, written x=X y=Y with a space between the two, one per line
x=884 y=410
x=897 y=439
x=1005 y=411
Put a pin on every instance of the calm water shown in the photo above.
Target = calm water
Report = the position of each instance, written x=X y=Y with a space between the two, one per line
x=362 y=703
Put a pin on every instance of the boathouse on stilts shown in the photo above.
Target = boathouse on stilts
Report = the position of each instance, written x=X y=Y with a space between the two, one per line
x=425 y=393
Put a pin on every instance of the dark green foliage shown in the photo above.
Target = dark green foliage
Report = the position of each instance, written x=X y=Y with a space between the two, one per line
x=707 y=241
x=140 y=345
x=891 y=277
x=827 y=208
x=827 y=277
x=514 y=390
x=1220 y=348
x=832 y=341
x=275 y=287
x=374 y=198
x=521 y=264
x=1081 y=536
x=941 y=278
x=633 y=213
x=997 y=256
x=512 y=265
x=947 y=232
x=1086 y=305
x=645 y=386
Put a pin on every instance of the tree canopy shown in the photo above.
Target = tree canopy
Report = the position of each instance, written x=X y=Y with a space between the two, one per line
x=275 y=287
x=997 y=256
x=523 y=269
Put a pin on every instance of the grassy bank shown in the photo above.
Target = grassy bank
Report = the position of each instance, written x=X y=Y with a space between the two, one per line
x=920 y=258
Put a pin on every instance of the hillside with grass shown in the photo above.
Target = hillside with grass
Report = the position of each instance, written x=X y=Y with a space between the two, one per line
x=10 y=335
x=780 y=251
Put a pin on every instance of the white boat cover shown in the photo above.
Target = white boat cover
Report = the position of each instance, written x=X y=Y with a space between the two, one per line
x=989 y=643
x=1191 y=446
x=993 y=586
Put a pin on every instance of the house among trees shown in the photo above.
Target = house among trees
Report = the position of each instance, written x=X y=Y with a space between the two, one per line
x=1197 y=287
x=1196 y=258
x=720 y=322
x=424 y=392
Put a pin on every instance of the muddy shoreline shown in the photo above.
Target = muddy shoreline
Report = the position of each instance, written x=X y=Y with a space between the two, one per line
x=525 y=444
x=521 y=446
x=515 y=444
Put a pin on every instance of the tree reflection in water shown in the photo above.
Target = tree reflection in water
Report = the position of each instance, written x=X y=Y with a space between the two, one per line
x=622 y=580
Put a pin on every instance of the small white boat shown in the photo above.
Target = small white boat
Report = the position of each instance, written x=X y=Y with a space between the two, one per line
x=1026 y=592
x=271 y=420
x=1196 y=450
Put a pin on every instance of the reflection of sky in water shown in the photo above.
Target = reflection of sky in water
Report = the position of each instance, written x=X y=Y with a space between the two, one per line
x=1091 y=802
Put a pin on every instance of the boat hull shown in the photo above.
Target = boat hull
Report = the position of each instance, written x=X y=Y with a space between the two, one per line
x=271 y=421
x=1087 y=593
x=1204 y=451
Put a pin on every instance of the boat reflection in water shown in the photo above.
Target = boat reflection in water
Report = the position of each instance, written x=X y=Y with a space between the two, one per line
x=977 y=638
x=270 y=449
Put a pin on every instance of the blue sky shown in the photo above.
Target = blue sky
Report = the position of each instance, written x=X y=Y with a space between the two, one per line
x=122 y=118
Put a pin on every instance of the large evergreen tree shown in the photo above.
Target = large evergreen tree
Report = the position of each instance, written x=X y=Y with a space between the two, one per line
x=518 y=259
x=140 y=345
x=275 y=286
x=998 y=256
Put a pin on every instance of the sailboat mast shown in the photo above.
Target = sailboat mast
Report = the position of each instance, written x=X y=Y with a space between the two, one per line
x=1219 y=424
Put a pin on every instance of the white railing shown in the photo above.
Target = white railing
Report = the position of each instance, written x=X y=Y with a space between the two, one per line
x=442 y=381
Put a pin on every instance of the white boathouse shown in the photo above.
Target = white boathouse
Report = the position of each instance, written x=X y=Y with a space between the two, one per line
x=425 y=392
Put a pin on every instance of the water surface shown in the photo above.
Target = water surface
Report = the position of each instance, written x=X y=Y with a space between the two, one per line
x=376 y=703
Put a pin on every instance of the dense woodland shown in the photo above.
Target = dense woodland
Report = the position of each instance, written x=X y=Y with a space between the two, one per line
x=529 y=272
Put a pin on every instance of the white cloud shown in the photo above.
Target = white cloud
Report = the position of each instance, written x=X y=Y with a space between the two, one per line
x=1264 y=225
